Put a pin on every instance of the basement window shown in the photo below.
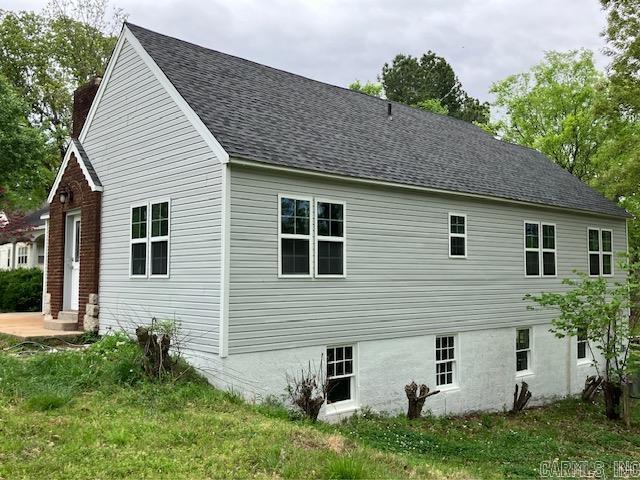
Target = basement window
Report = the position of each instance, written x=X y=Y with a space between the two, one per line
x=582 y=344
x=445 y=360
x=340 y=374
x=523 y=350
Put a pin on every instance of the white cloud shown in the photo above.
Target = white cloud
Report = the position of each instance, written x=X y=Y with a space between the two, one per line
x=337 y=41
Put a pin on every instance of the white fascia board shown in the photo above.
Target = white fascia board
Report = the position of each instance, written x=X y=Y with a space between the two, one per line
x=72 y=149
x=191 y=115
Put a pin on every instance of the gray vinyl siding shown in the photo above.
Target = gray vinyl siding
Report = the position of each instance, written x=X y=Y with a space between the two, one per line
x=400 y=280
x=144 y=148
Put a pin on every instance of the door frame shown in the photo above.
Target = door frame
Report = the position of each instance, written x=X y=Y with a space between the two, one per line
x=71 y=217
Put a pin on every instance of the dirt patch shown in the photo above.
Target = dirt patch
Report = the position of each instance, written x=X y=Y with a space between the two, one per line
x=308 y=440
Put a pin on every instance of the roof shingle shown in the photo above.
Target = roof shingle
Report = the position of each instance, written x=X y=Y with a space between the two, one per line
x=267 y=115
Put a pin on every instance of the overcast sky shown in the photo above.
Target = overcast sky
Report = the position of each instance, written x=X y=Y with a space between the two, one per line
x=337 y=41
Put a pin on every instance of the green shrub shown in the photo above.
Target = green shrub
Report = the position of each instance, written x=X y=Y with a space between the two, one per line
x=346 y=468
x=21 y=290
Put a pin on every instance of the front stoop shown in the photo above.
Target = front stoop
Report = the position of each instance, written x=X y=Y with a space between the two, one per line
x=66 y=321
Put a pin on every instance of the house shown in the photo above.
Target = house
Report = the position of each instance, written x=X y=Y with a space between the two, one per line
x=23 y=247
x=282 y=221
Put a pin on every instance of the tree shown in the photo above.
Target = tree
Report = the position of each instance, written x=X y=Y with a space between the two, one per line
x=370 y=88
x=412 y=81
x=46 y=56
x=552 y=108
x=596 y=308
x=24 y=176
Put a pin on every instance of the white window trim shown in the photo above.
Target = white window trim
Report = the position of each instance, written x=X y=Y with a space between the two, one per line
x=459 y=235
x=541 y=250
x=148 y=240
x=530 y=367
x=295 y=236
x=456 y=353
x=163 y=238
x=342 y=239
x=352 y=403
x=600 y=252
x=588 y=359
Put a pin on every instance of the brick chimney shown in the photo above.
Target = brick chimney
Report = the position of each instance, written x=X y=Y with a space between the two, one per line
x=82 y=99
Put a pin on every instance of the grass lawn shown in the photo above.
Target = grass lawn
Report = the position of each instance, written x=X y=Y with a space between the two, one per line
x=91 y=414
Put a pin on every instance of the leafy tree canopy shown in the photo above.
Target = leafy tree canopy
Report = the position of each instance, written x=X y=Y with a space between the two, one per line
x=24 y=177
x=370 y=88
x=413 y=81
x=552 y=108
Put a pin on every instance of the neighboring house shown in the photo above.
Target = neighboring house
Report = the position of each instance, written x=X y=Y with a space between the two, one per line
x=283 y=221
x=24 y=248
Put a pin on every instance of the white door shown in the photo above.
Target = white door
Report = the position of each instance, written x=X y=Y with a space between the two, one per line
x=72 y=262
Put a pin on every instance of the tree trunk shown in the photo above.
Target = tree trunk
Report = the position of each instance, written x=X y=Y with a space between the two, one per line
x=626 y=404
x=521 y=399
x=416 y=401
x=612 y=394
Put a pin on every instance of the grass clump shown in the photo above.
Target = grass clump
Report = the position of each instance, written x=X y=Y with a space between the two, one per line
x=45 y=401
x=346 y=468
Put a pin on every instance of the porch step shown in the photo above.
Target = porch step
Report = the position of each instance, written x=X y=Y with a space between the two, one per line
x=67 y=321
x=68 y=316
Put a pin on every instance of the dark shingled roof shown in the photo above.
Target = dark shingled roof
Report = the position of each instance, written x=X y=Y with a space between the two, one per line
x=87 y=163
x=267 y=115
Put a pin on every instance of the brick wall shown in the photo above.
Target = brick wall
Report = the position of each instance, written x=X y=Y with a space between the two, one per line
x=82 y=100
x=90 y=205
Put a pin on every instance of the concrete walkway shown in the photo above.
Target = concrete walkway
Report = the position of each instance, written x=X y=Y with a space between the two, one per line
x=29 y=326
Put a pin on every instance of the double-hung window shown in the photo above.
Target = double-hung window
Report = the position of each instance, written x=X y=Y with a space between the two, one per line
x=600 y=241
x=523 y=350
x=23 y=255
x=295 y=236
x=457 y=235
x=330 y=239
x=540 y=249
x=340 y=374
x=311 y=228
x=445 y=360
x=149 y=241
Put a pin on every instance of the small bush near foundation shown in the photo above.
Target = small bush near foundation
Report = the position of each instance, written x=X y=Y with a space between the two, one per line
x=344 y=468
x=21 y=290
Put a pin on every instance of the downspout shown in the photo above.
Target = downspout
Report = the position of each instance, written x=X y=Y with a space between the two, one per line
x=225 y=260
x=45 y=266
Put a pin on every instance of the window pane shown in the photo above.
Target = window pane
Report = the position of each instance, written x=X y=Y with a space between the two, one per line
x=339 y=390
x=295 y=256
x=159 y=258
x=288 y=225
x=606 y=241
x=594 y=264
x=522 y=339
x=160 y=219
x=457 y=246
x=139 y=222
x=594 y=241
x=302 y=208
x=330 y=219
x=548 y=236
x=548 y=263
x=139 y=259
x=582 y=350
x=607 y=264
x=533 y=263
x=330 y=258
x=287 y=207
x=457 y=224
x=532 y=235
x=522 y=361
x=302 y=226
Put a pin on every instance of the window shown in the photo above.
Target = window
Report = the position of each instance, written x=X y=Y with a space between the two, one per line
x=457 y=235
x=523 y=349
x=306 y=228
x=540 y=253
x=445 y=360
x=600 y=245
x=149 y=242
x=330 y=239
x=295 y=236
x=340 y=374
x=582 y=344
x=23 y=255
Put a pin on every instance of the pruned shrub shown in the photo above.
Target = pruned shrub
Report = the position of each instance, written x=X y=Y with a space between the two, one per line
x=308 y=390
x=21 y=290
x=416 y=397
